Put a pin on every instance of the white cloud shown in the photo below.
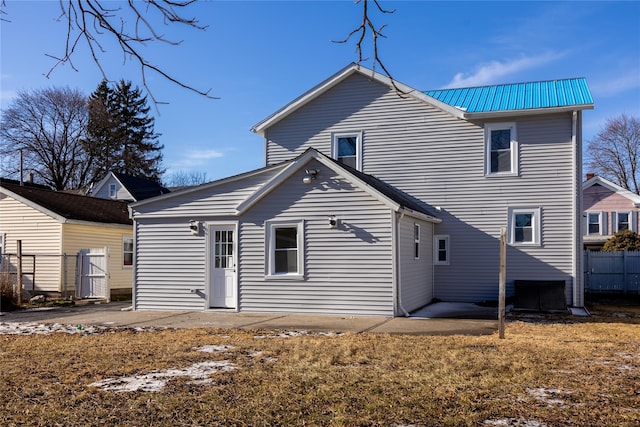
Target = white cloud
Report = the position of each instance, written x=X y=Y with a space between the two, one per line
x=489 y=73
x=197 y=160
x=617 y=85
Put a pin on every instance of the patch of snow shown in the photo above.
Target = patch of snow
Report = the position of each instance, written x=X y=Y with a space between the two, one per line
x=214 y=348
x=547 y=395
x=156 y=381
x=34 y=328
x=514 y=422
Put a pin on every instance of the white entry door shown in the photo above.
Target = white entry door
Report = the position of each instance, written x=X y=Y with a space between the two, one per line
x=223 y=267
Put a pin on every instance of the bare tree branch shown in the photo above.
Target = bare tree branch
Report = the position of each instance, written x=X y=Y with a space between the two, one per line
x=368 y=27
x=131 y=27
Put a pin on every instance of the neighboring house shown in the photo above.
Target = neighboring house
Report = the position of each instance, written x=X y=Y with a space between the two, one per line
x=375 y=203
x=120 y=186
x=54 y=228
x=608 y=208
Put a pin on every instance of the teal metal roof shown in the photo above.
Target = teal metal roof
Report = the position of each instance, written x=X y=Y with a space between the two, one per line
x=517 y=96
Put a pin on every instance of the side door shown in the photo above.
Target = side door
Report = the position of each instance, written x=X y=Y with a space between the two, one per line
x=223 y=261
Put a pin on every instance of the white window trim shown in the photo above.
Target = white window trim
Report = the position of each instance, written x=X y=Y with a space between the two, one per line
x=270 y=227
x=537 y=226
x=416 y=241
x=632 y=217
x=113 y=190
x=334 y=145
x=601 y=223
x=133 y=251
x=514 y=148
x=436 y=240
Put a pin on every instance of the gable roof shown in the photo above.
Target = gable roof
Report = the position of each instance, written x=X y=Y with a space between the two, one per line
x=467 y=103
x=555 y=94
x=66 y=207
x=138 y=188
x=390 y=196
x=633 y=197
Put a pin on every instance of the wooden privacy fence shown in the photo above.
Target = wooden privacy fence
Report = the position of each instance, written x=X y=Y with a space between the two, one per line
x=612 y=272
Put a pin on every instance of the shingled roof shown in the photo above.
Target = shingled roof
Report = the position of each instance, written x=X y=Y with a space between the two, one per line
x=68 y=206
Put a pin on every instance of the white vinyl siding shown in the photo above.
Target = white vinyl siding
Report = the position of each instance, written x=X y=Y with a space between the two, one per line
x=415 y=275
x=348 y=269
x=170 y=261
x=440 y=160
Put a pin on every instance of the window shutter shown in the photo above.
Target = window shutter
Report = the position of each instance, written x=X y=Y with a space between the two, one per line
x=603 y=227
x=614 y=222
x=633 y=220
x=585 y=223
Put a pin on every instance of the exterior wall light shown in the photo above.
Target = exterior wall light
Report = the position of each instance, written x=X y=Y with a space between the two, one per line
x=310 y=175
x=194 y=226
x=333 y=221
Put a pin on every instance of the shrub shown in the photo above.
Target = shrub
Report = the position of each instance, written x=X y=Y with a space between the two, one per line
x=625 y=240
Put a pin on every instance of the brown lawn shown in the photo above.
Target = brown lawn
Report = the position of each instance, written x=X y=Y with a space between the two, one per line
x=551 y=370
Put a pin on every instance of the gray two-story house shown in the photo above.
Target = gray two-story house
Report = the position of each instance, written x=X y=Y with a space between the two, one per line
x=377 y=198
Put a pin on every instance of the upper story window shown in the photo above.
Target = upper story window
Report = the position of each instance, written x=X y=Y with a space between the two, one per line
x=112 y=190
x=346 y=147
x=525 y=226
x=624 y=221
x=594 y=223
x=501 y=149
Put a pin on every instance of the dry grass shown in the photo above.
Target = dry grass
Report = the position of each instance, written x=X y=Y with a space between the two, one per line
x=553 y=372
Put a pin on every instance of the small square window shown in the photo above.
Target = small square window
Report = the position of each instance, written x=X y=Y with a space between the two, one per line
x=441 y=250
x=524 y=226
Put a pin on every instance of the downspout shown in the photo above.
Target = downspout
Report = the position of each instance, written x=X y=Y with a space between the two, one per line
x=576 y=140
x=398 y=261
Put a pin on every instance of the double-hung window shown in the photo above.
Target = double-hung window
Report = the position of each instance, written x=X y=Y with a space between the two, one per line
x=416 y=241
x=501 y=149
x=346 y=147
x=285 y=249
x=596 y=223
x=624 y=221
x=127 y=251
x=525 y=226
x=112 y=191
x=441 y=250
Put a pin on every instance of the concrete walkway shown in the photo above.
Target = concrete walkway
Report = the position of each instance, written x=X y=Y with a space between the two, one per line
x=435 y=319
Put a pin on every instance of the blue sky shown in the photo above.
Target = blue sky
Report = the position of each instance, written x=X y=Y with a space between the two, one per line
x=258 y=56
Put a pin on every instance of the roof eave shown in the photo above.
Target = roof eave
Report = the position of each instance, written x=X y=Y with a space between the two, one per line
x=527 y=112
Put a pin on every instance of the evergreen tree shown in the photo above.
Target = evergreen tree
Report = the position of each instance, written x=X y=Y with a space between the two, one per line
x=121 y=134
x=101 y=141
